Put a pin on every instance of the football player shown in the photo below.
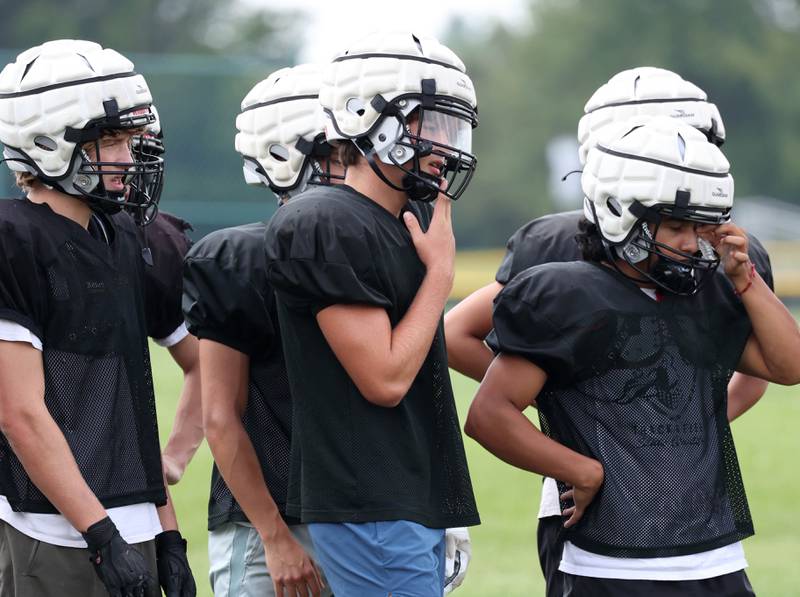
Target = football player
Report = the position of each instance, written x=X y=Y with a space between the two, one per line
x=639 y=93
x=628 y=354
x=255 y=548
x=80 y=454
x=362 y=272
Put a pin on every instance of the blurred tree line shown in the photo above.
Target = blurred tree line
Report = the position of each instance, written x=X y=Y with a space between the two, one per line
x=201 y=57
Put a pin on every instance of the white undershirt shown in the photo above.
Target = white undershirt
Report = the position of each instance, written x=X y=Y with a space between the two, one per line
x=179 y=334
x=136 y=522
x=580 y=562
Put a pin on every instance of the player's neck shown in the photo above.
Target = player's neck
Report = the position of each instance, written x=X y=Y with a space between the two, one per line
x=64 y=205
x=361 y=177
x=629 y=272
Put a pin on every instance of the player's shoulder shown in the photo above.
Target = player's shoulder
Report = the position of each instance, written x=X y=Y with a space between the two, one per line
x=556 y=224
x=29 y=227
x=231 y=245
x=556 y=277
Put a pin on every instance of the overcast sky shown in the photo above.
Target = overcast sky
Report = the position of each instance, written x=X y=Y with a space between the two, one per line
x=334 y=23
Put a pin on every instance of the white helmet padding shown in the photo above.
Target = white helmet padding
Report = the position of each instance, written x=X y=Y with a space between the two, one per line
x=644 y=172
x=281 y=130
x=370 y=90
x=59 y=96
x=647 y=92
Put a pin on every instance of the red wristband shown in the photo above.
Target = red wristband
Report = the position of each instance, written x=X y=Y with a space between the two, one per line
x=749 y=283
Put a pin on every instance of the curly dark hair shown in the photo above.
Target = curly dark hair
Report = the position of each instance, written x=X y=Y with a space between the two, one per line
x=590 y=242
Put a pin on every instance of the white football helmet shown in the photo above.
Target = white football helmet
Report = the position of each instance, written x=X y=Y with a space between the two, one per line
x=370 y=90
x=61 y=95
x=643 y=172
x=281 y=132
x=647 y=92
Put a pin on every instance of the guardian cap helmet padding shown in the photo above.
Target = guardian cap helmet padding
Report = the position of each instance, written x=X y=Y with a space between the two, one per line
x=281 y=132
x=647 y=92
x=369 y=93
x=645 y=172
x=59 y=96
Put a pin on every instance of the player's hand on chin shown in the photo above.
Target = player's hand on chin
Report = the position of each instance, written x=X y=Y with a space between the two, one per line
x=436 y=247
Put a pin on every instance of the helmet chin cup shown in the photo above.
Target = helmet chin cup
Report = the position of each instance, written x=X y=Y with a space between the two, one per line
x=418 y=189
x=678 y=278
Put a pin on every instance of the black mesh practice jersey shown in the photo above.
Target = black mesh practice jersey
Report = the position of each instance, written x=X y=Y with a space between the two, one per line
x=641 y=386
x=354 y=461
x=227 y=299
x=551 y=239
x=165 y=239
x=82 y=295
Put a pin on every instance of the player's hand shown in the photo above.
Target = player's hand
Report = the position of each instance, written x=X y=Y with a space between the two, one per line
x=121 y=568
x=583 y=493
x=436 y=247
x=731 y=243
x=292 y=569
x=458 y=553
x=173 y=471
x=174 y=574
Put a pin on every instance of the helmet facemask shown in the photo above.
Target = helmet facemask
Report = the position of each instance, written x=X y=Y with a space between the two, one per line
x=142 y=177
x=145 y=192
x=671 y=269
x=411 y=130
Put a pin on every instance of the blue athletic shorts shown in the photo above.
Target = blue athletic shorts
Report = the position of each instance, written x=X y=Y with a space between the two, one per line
x=373 y=559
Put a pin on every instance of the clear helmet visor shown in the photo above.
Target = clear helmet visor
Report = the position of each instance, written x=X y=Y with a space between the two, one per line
x=446 y=130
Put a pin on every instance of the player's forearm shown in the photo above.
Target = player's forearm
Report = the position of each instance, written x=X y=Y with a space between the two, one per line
x=467 y=354
x=238 y=464
x=187 y=429
x=47 y=459
x=412 y=337
x=776 y=331
x=465 y=327
x=166 y=513
x=508 y=434
x=743 y=392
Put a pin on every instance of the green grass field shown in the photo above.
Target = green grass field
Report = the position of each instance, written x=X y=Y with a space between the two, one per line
x=504 y=546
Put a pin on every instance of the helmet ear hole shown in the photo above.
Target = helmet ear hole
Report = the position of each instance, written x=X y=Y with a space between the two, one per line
x=278 y=152
x=355 y=105
x=614 y=207
x=45 y=143
x=682 y=147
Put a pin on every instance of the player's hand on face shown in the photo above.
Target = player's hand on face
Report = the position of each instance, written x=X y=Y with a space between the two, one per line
x=582 y=494
x=292 y=569
x=731 y=243
x=436 y=247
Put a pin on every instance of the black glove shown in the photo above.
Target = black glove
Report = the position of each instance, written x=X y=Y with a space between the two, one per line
x=174 y=573
x=121 y=568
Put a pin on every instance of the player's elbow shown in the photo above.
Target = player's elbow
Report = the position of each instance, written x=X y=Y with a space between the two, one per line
x=17 y=422
x=477 y=420
x=387 y=393
x=216 y=424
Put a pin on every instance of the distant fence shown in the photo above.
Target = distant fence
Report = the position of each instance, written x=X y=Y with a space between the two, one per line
x=475 y=269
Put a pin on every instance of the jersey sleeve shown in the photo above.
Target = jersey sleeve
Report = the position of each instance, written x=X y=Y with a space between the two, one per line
x=760 y=258
x=314 y=261
x=24 y=285
x=546 y=239
x=507 y=270
x=525 y=325
x=168 y=244
x=223 y=302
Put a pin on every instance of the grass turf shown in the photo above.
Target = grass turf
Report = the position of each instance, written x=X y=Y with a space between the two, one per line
x=504 y=546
